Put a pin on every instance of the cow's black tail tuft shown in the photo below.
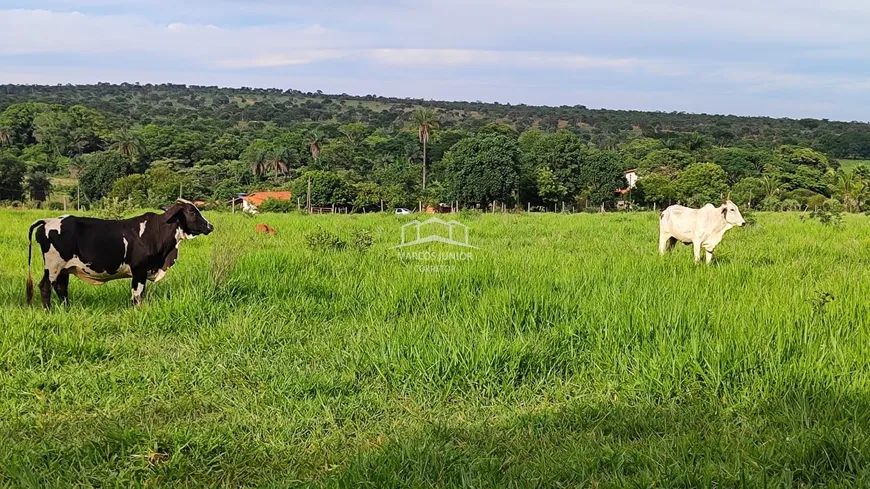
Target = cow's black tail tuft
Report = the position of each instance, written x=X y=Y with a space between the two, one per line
x=29 y=259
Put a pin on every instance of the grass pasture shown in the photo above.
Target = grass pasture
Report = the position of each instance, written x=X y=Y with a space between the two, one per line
x=566 y=353
x=852 y=164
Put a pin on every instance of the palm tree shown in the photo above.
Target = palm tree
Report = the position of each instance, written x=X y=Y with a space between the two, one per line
x=258 y=161
x=281 y=159
x=852 y=190
x=39 y=186
x=129 y=144
x=426 y=120
x=772 y=186
x=5 y=136
x=314 y=145
x=695 y=141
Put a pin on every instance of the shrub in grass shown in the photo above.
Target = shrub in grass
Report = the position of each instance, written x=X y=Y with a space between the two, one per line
x=322 y=240
x=113 y=208
x=830 y=213
x=276 y=205
x=361 y=239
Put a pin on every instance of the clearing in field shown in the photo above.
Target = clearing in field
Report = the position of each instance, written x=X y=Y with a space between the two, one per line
x=566 y=352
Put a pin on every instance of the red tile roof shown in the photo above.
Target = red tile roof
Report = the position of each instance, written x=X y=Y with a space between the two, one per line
x=258 y=198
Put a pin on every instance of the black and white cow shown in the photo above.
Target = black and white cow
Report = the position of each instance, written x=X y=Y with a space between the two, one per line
x=97 y=250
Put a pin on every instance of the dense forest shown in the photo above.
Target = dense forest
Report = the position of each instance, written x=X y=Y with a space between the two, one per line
x=145 y=144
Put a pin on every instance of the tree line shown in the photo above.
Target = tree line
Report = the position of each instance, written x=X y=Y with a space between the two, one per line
x=146 y=143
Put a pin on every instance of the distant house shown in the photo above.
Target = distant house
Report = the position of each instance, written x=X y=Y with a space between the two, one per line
x=631 y=178
x=250 y=202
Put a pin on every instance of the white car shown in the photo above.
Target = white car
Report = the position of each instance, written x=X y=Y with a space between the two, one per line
x=401 y=211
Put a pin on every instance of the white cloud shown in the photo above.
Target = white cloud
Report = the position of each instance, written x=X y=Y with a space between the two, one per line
x=518 y=50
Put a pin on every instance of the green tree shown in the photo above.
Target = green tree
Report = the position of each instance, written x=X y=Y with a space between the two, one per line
x=498 y=128
x=739 y=163
x=664 y=161
x=133 y=188
x=483 y=169
x=368 y=196
x=256 y=156
x=39 y=186
x=99 y=172
x=426 y=121
x=11 y=177
x=637 y=149
x=282 y=160
x=18 y=121
x=700 y=184
x=749 y=192
x=355 y=133
x=656 y=189
x=549 y=187
x=128 y=143
x=852 y=190
x=327 y=188
x=695 y=141
x=315 y=140
x=601 y=175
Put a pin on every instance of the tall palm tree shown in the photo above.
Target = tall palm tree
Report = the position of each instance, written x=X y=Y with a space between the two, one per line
x=281 y=159
x=426 y=120
x=314 y=145
x=5 y=136
x=129 y=144
x=258 y=161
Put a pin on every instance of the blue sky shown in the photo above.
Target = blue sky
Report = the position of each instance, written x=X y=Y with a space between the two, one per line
x=798 y=58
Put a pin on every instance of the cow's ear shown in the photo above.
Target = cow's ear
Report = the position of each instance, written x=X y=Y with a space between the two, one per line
x=172 y=213
x=724 y=211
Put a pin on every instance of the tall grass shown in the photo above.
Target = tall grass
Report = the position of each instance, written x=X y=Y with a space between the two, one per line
x=565 y=353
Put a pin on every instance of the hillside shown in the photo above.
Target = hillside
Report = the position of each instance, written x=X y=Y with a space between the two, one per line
x=226 y=107
x=143 y=145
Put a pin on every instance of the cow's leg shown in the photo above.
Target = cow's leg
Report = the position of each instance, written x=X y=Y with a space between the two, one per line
x=709 y=256
x=61 y=287
x=697 y=246
x=138 y=287
x=665 y=243
x=45 y=290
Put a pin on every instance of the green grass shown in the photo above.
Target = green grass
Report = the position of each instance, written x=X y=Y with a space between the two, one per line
x=567 y=353
x=851 y=164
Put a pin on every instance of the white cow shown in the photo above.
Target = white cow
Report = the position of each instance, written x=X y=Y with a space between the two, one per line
x=702 y=227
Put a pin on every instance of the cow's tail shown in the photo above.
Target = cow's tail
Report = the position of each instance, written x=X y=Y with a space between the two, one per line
x=30 y=259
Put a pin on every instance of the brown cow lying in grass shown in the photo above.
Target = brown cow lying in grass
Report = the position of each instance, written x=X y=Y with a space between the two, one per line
x=262 y=228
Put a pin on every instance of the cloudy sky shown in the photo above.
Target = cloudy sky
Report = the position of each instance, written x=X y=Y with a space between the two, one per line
x=795 y=58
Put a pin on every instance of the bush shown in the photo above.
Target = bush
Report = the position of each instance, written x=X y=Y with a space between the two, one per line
x=816 y=201
x=321 y=240
x=790 y=205
x=55 y=206
x=277 y=205
x=830 y=213
x=361 y=239
x=770 y=204
x=114 y=208
x=465 y=213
